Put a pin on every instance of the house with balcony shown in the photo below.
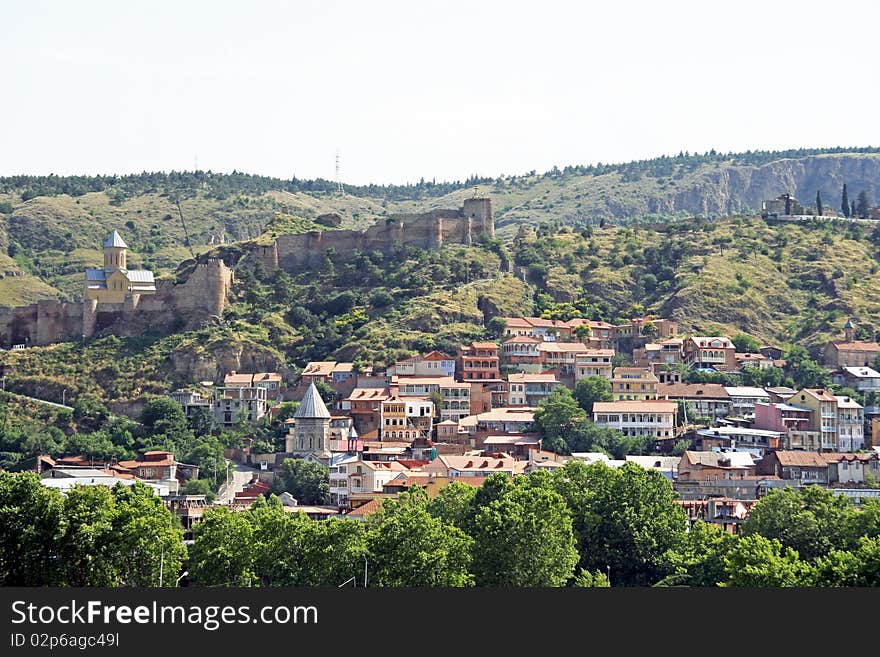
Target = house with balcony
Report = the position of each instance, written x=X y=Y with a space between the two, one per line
x=595 y=362
x=823 y=417
x=339 y=465
x=633 y=383
x=744 y=398
x=638 y=418
x=456 y=395
x=601 y=335
x=710 y=352
x=405 y=418
x=729 y=438
x=799 y=467
x=562 y=357
x=521 y=350
x=851 y=469
x=792 y=420
x=647 y=326
x=708 y=400
x=456 y=466
x=479 y=361
x=537 y=327
x=850 y=424
x=715 y=466
x=434 y=363
x=861 y=379
x=371 y=476
x=364 y=406
x=271 y=381
x=529 y=389
x=654 y=354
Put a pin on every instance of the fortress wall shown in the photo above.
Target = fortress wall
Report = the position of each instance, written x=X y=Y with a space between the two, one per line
x=429 y=230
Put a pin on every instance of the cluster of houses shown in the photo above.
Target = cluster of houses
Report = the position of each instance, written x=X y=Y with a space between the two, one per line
x=435 y=418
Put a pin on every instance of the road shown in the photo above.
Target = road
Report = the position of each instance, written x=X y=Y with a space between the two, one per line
x=239 y=475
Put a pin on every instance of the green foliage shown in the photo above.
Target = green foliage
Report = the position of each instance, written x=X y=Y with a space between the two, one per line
x=700 y=559
x=410 y=547
x=525 y=538
x=307 y=481
x=756 y=562
x=591 y=389
x=586 y=579
x=624 y=519
x=812 y=521
x=746 y=343
x=222 y=553
x=93 y=536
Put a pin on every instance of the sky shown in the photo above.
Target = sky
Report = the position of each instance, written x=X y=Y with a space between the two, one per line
x=404 y=90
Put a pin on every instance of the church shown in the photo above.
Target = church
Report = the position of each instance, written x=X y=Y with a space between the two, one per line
x=116 y=282
x=311 y=429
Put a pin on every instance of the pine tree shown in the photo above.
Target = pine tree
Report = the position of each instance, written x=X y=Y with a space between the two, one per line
x=818 y=203
x=863 y=205
x=787 y=204
x=852 y=209
x=844 y=203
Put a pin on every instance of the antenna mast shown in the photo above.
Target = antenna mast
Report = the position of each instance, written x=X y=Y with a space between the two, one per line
x=338 y=181
x=185 y=231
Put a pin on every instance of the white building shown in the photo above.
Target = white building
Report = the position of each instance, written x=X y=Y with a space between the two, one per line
x=638 y=418
x=743 y=398
x=850 y=425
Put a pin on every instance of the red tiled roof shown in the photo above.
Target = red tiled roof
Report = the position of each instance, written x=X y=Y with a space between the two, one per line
x=856 y=346
x=801 y=459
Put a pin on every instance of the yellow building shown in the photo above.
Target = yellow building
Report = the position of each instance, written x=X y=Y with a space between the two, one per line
x=823 y=415
x=115 y=282
x=634 y=384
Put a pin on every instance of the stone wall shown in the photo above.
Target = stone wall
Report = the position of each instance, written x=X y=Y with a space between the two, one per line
x=429 y=230
x=176 y=305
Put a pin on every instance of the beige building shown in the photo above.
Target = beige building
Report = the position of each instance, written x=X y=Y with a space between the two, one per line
x=634 y=383
x=595 y=362
x=115 y=282
x=637 y=418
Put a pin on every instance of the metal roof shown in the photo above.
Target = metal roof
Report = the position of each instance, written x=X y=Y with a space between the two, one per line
x=140 y=275
x=312 y=406
x=95 y=275
x=115 y=241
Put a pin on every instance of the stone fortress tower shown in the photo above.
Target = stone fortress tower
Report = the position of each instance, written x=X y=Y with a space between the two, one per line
x=311 y=433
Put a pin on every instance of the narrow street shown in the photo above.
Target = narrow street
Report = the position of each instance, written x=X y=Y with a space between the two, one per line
x=239 y=476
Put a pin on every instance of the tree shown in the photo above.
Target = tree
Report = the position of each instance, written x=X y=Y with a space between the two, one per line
x=326 y=391
x=583 y=332
x=758 y=562
x=863 y=206
x=89 y=412
x=222 y=553
x=591 y=389
x=812 y=521
x=819 y=208
x=557 y=413
x=852 y=209
x=844 y=202
x=524 y=539
x=700 y=558
x=454 y=504
x=746 y=343
x=407 y=546
x=164 y=416
x=496 y=327
x=860 y=567
x=625 y=519
x=307 y=481
x=586 y=579
x=30 y=524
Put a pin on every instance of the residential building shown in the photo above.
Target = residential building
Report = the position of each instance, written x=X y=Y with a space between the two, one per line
x=823 y=417
x=601 y=335
x=803 y=468
x=233 y=405
x=64 y=479
x=455 y=466
x=633 y=383
x=852 y=468
x=521 y=350
x=318 y=370
x=756 y=441
x=538 y=327
x=862 y=379
x=595 y=362
x=479 y=361
x=456 y=395
x=271 y=381
x=364 y=405
x=530 y=389
x=850 y=424
x=727 y=513
x=339 y=465
x=744 y=398
x=638 y=418
x=710 y=352
x=708 y=400
x=562 y=356
x=756 y=360
x=192 y=401
x=793 y=421
x=850 y=352
x=665 y=465
x=713 y=466
x=784 y=205
x=406 y=418
x=371 y=476
x=648 y=327
x=519 y=420
x=655 y=354
x=434 y=363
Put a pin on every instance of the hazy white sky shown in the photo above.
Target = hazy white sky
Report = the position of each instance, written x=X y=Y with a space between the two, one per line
x=411 y=89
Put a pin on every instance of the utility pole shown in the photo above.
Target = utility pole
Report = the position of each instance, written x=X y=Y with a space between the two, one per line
x=161 y=565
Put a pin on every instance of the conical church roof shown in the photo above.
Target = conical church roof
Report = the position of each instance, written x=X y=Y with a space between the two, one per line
x=312 y=407
x=115 y=240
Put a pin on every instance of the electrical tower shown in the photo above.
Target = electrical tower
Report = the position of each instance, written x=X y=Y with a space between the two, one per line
x=338 y=181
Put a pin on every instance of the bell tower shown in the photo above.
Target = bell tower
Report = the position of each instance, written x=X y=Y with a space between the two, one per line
x=115 y=250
